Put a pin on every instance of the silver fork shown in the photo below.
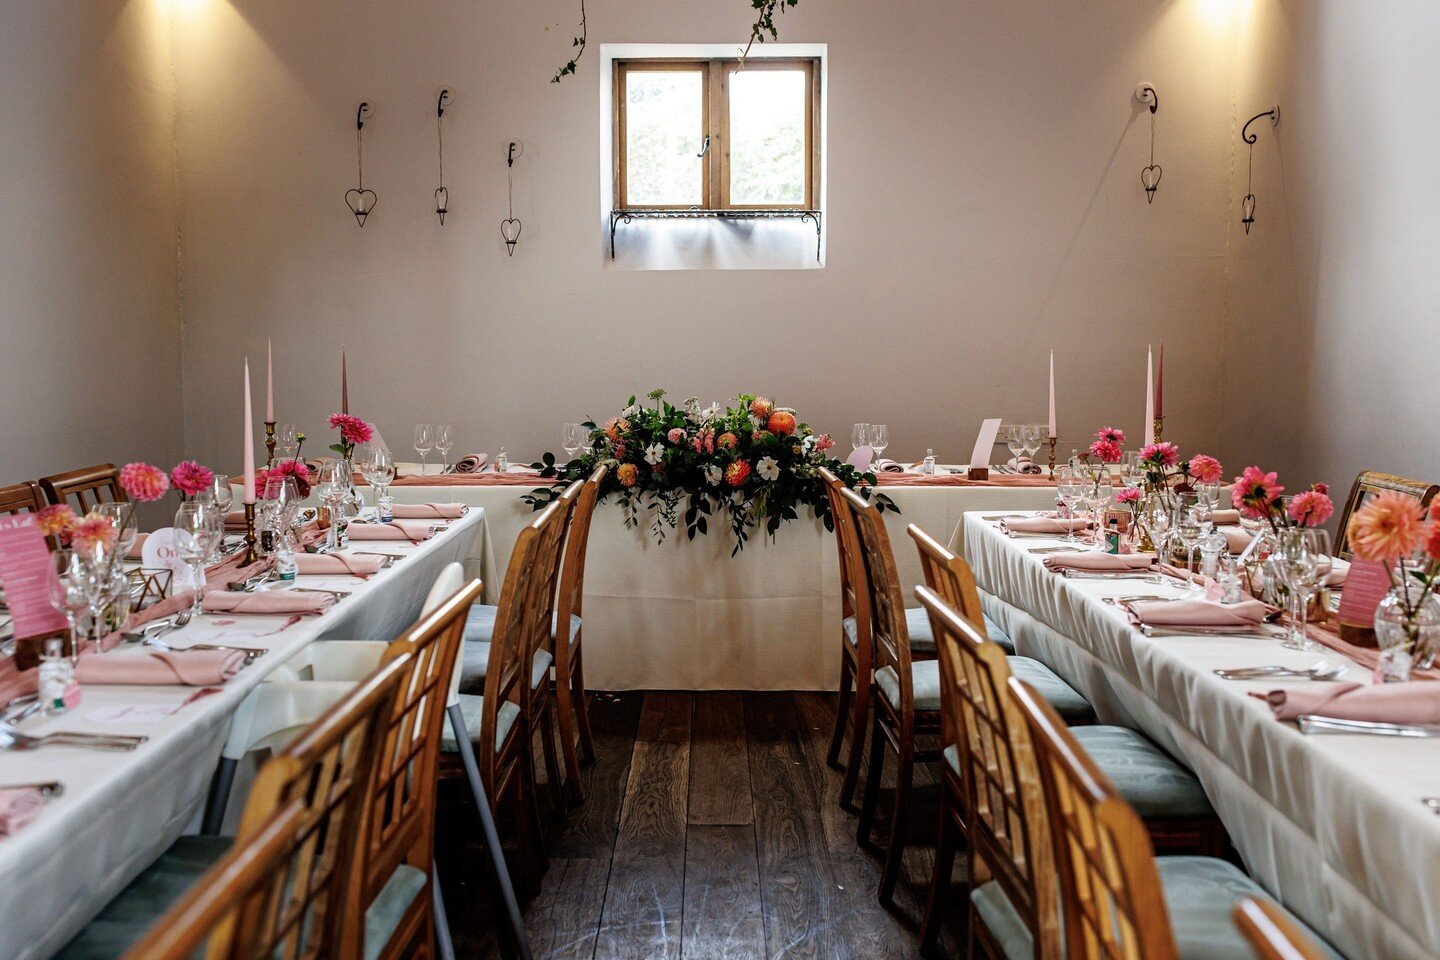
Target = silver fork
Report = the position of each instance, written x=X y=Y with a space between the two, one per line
x=250 y=652
x=1322 y=671
x=11 y=739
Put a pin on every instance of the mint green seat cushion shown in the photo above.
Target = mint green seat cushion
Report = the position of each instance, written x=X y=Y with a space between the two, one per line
x=480 y=622
x=1153 y=782
x=925 y=680
x=1200 y=892
x=385 y=914
x=472 y=707
x=922 y=637
x=475 y=663
x=125 y=919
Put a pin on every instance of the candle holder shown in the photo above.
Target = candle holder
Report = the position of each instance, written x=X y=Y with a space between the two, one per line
x=250 y=555
x=1052 y=458
x=1157 y=428
x=269 y=443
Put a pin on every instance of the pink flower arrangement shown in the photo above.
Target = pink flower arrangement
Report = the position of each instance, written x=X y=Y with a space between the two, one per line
x=1206 y=469
x=93 y=532
x=56 y=521
x=191 y=478
x=1389 y=528
x=760 y=408
x=1311 y=508
x=676 y=435
x=1256 y=493
x=285 y=468
x=1111 y=435
x=824 y=442
x=143 y=482
x=782 y=423
x=727 y=441
x=1162 y=456
x=1107 y=451
x=737 y=473
x=627 y=474
x=352 y=429
x=1129 y=496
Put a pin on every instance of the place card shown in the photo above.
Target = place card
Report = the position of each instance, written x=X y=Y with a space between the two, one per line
x=1365 y=586
x=161 y=551
x=26 y=570
x=985 y=444
x=861 y=458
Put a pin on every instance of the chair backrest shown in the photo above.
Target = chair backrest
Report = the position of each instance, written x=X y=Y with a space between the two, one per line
x=571 y=597
x=23 y=497
x=1110 y=890
x=1272 y=933
x=311 y=907
x=552 y=547
x=86 y=487
x=1004 y=808
x=844 y=540
x=950 y=577
x=1371 y=482
x=400 y=827
x=447 y=583
x=887 y=607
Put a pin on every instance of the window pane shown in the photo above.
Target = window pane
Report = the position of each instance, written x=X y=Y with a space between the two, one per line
x=767 y=137
x=664 y=129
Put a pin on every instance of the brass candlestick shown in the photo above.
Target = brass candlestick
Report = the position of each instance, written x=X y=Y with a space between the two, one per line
x=269 y=443
x=1157 y=428
x=250 y=555
x=1052 y=458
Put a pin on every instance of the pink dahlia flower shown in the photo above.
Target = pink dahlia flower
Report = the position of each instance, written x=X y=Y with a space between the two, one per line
x=1389 y=527
x=1255 y=493
x=190 y=477
x=352 y=429
x=677 y=435
x=1164 y=455
x=141 y=481
x=1206 y=469
x=1311 y=508
x=93 y=531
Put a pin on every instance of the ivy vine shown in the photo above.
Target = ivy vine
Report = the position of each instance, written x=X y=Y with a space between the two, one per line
x=577 y=42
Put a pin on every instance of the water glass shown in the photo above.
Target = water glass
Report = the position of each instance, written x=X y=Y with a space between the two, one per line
x=1069 y=490
x=285 y=440
x=194 y=539
x=443 y=443
x=1303 y=561
x=67 y=593
x=332 y=484
x=122 y=518
x=879 y=435
x=222 y=492
x=377 y=466
x=860 y=435
x=424 y=440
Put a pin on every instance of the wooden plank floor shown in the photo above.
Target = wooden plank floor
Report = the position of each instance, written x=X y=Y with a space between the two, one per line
x=710 y=829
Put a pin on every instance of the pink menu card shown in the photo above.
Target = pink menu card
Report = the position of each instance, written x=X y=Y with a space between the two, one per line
x=1365 y=586
x=25 y=570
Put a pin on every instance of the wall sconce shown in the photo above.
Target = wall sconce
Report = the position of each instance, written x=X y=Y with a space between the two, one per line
x=1150 y=176
x=510 y=227
x=1247 y=206
x=361 y=201
x=442 y=196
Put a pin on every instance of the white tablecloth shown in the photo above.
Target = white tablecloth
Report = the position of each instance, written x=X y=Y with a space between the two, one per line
x=1331 y=825
x=119 y=811
x=685 y=615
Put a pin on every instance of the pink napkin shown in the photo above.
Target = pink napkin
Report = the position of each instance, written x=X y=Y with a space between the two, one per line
x=1237 y=538
x=1414 y=702
x=18 y=807
x=471 y=463
x=266 y=602
x=1198 y=613
x=412 y=530
x=430 y=511
x=335 y=564
x=1043 y=524
x=136 y=548
x=887 y=466
x=1223 y=518
x=191 y=668
x=1093 y=561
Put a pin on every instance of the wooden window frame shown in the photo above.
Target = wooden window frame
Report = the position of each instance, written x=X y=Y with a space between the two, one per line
x=715 y=76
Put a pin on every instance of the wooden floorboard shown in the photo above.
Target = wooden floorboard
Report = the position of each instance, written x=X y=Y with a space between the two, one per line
x=719 y=762
x=722 y=917
x=666 y=717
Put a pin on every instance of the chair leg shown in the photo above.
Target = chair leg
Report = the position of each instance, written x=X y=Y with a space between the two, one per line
x=513 y=930
x=445 y=947
x=863 y=712
x=530 y=797
x=582 y=705
x=565 y=718
x=872 y=782
x=900 y=821
x=219 y=797
x=552 y=760
x=946 y=843
x=842 y=712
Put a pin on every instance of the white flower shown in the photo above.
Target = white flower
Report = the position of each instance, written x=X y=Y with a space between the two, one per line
x=631 y=411
x=768 y=468
x=710 y=413
x=808 y=444
x=713 y=474
x=654 y=454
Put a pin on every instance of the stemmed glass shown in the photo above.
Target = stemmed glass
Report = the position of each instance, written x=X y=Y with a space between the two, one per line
x=879 y=435
x=1303 y=563
x=1033 y=435
x=570 y=438
x=194 y=538
x=424 y=440
x=1069 y=490
x=1130 y=470
x=1188 y=528
x=122 y=518
x=377 y=466
x=282 y=496
x=859 y=435
x=1157 y=523
x=1014 y=436
x=1207 y=498
x=331 y=484
x=93 y=566
x=443 y=444
x=285 y=439
x=67 y=593
x=222 y=493
x=1102 y=495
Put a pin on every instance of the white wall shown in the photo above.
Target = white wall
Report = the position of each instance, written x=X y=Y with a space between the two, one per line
x=984 y=206
x=1333 y=296
x=89 y=296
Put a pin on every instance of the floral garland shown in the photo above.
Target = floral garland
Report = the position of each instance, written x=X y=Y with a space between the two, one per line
x=755 y=463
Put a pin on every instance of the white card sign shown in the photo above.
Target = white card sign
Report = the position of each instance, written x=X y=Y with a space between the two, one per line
x=862 y=456
x=161 y=551
x=985 y=443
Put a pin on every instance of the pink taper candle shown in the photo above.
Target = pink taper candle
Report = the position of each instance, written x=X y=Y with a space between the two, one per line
x=249 y=471
x=344 y=385
x=1149 y=423
x=1053 y=434
x=269 y=384
x=1160 y=384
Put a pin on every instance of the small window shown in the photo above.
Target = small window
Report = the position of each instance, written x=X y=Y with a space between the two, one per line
x=716 y=135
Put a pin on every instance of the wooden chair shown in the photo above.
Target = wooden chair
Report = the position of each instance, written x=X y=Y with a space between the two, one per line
x=87 y=487
x=23 y=497
x=571 y=704
x=1370 y=482
x=951 y=577
x=1119 y=901
x=324 y=773
x=1272 y=933
x=396 y=883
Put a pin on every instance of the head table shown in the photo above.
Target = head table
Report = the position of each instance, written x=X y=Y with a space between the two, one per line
x=686 y=615
x=119 y=811
x=1333 y=825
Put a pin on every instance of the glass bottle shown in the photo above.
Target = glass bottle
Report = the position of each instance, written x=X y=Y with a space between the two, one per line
x=58 y=691
x=928 y=467
x=502 y=461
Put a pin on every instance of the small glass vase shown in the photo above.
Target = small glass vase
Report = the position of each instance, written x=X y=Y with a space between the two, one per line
x=1409 y=638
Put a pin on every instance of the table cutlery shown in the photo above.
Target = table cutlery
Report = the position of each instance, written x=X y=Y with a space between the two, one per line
x=377 y=553
x=21 y=708
x=337 y=594
x=1314 y=724
x=251 y=585
x=1150 y=631
x=251 y=653
x=158 y=628
x=1055 y=550
x=1322 y=671
x=1134 y=598
x=48 y=789
x=1032 y=536
x=15 y=740
x=1142 y=577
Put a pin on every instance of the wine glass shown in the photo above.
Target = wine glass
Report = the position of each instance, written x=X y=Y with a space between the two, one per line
x=570 y=438
x=443 y=444
x=377 y=466
x=122 y=517
x=283 y=495
x=67 y=593
x=93 y=564
x=1188 y=526
x=424 y=440
x=1069 y=490
x=222 y=492
x=1303 y=561
x=859 y=435
x=879 y=435
x=331 y=483
x=1033 y=435
x=1207 y=498
x=1103 y=494
x=285 y=440
x=1014 y=436
x=194 y=533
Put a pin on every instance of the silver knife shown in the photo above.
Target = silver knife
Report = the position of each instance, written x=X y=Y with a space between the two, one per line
x=1150 y=631
x=1313 y=724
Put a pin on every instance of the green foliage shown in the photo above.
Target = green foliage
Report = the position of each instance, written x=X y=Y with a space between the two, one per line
x=577 y=42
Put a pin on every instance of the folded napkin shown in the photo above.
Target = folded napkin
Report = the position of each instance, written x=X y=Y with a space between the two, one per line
x=1093 y=561
x=19 y=806
x=1223 y=518
x=1198 y=613
x=235 y=520
x=192 y=668
x=136 y=549
x=1237 y=538
x=429 y=511
x=1023 y=465
x=337 y=564
x=266 y=602
x=1044 y=524
x=1339 y=572
x=887 y=466
x=412 y=530
x=471 y=463
x=1415 y=702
